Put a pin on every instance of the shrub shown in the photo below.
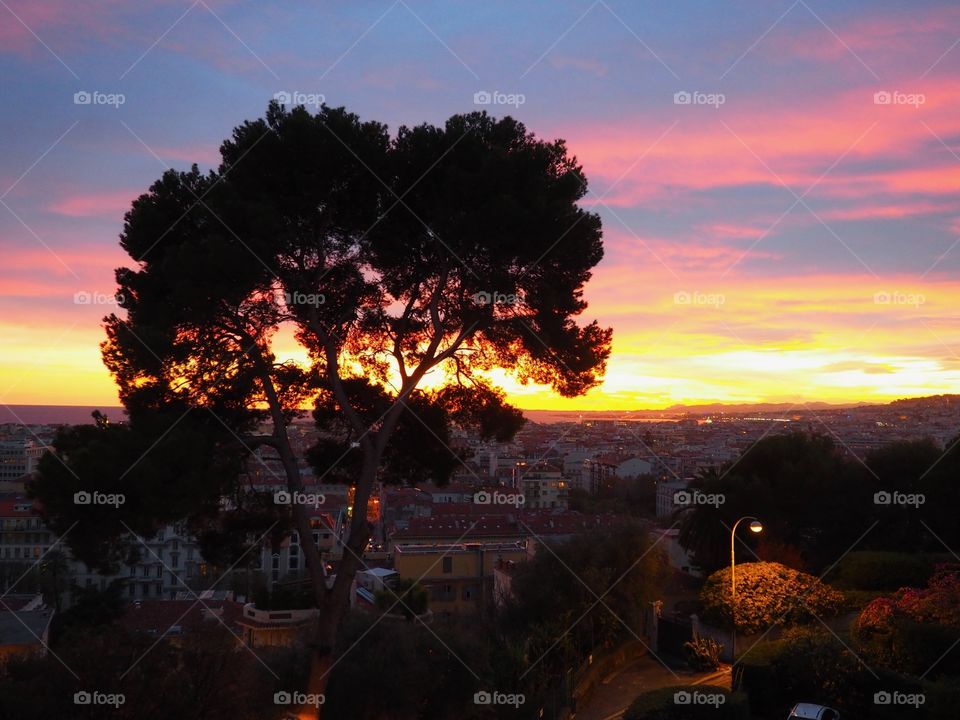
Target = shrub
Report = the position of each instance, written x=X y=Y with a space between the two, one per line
x=703 y=654
x=885 y=571
x=689 y=702
x=767 y=594
x=405 y=596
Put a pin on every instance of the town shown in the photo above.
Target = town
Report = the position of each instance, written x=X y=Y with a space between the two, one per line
x=459 y=543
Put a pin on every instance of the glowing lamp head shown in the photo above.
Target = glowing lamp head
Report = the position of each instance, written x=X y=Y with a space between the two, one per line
x=756 y=526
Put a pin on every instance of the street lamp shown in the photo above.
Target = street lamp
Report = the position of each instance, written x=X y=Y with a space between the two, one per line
x=755 y=527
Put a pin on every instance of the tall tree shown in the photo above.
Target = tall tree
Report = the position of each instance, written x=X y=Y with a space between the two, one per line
x=449 y=251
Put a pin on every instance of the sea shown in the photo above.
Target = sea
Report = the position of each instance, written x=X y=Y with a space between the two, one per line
x=56 y=414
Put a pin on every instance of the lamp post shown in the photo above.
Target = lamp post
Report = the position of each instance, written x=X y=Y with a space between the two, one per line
x=755 y=527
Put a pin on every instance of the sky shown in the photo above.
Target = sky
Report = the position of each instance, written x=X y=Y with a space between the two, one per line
x=779 y=182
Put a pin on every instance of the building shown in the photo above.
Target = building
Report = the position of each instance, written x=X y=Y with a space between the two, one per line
x=666 y=489
x=543 y=489
x=634 y=467
x=168 y=563
x=19 y=457
x=459 y=577
x=599 y=474
x=23 y=535
x=175 y=618
x=24 y=626
x=285 y=560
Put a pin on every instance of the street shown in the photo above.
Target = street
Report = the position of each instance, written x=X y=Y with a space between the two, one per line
x=613 y=696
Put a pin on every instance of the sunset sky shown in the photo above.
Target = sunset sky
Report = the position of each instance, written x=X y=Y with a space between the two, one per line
x=792 y=233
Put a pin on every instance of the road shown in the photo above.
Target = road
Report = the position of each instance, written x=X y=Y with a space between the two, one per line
x=613 y=696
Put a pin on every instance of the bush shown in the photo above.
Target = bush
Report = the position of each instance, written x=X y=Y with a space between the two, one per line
x=913 y=629
x=405 y=597
x=883 y=571
x=703 y=654
x=689 y=702
x=767 y=594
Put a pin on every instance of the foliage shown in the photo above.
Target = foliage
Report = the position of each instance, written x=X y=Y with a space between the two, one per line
x=554 y=615
x=782 y=480
x=291 y=597
x=90 y=607
x=785 y=481
x=662 y=704
x=205 y=676
x=387 y=259
x=405 y=596
x=767 y=594
x=913 y=629
x=633 y=496
x=420 y=673
x=703 y=654
x=821 y=668
x=877 y=570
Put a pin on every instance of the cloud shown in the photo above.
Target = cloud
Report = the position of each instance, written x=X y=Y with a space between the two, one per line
x=104 y=204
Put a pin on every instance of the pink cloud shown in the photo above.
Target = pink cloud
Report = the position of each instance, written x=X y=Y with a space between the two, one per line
x=112 y=204
x=846 y=144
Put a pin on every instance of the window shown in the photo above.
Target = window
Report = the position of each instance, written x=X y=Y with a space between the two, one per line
x=174 y=559
x=159 y=590
x=159 y=571
x=145 y=571
x=447 y=565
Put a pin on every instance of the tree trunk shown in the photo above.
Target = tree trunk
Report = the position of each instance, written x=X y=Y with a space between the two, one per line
x=335 y=603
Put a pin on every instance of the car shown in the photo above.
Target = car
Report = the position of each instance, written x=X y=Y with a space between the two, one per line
x=809 y=711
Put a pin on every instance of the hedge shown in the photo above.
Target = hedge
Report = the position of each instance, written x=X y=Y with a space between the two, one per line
x=886 y=571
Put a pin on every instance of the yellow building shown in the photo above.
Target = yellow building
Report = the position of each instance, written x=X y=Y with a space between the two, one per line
x=458 y=578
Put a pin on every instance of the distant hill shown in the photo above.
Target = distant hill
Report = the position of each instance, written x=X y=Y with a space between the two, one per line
x=675 y=412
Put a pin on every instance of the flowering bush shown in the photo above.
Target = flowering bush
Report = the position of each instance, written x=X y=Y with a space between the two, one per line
x=913 y=629
x=768 y=593
x=938 y=604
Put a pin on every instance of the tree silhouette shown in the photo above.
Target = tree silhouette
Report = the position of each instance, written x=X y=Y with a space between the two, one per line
x=450 y=251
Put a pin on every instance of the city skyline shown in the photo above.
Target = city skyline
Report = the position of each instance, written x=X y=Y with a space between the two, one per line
x=777 y=185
